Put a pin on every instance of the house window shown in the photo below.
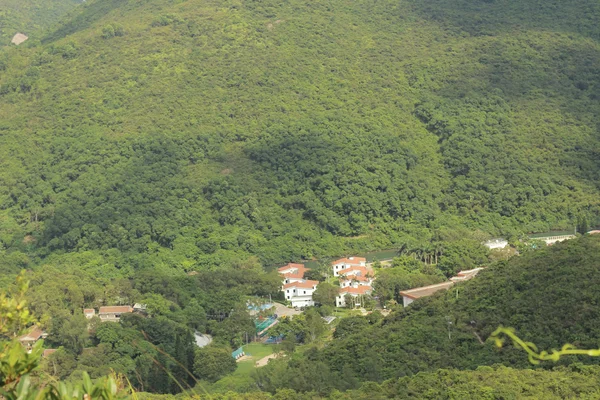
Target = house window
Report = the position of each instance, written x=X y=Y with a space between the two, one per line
x=305 y=292
x=287 y=291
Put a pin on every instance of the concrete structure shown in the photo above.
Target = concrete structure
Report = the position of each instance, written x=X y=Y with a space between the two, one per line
x=89 y=313
x=202 y=339
x=18 y=39
x=113 y=313
x=550 y=240
x=552 y=237
x=408 y=296
x=497 y=243
x=466 y=275
x=345 y=263
x=300 y=293
x=357 y=294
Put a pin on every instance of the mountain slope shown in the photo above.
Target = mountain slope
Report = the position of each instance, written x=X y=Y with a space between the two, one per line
x=222 y=130
x=30 y=17
x=547 y=296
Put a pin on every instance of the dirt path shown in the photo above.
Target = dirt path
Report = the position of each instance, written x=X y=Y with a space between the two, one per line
x=264 y=361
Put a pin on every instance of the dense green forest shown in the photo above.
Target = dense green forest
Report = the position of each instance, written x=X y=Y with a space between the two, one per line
x=31 y=17
x=173 y=152
x=210 y=133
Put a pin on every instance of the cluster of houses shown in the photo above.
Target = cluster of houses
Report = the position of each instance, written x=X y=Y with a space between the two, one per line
x=356 y=279
x=106 y=314
x=354 y=276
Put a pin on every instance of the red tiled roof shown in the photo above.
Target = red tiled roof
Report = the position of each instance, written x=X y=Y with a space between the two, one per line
x=362 y=270
x=89 y=311
x=115 y=309
x=356 y=290
x=594 y=232
x=349 y=260
x=299 y=275
x=302 y=284
x=355 y=278
x=291 y=265
x=425 y=291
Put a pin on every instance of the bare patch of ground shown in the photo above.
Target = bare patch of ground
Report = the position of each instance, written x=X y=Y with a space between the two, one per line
x=265 y=360
x=19 y=38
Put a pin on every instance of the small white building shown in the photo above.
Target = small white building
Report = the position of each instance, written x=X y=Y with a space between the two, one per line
x=345 y=263
x=357 y=293
x=300 y=293
x=497 y=243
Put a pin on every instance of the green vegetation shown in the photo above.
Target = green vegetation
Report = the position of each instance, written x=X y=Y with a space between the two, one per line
x=172 y=153
x=31 y=16
x=17 y=365
x=547 y=296
x=134 y=128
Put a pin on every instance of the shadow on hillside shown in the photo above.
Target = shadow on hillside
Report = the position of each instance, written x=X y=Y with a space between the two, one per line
x=83 y=18
x=491 y=17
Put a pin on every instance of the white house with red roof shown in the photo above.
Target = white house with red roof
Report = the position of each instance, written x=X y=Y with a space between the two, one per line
x=356 y=276
x=356 y=293
x=292 y=272
x=300 y=293
x=355 y=279
x=345 y=263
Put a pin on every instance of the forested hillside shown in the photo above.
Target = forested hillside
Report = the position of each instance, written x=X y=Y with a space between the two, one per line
x=31 y=16
x=548 y=296
x=218 y=131
x=171 y=153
